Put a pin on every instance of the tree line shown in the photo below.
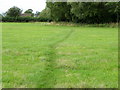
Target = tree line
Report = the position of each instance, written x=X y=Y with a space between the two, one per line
x=85 y=12
x=77 y=12
x=14 y=14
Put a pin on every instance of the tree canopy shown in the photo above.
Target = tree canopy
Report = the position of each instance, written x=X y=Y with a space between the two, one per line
x=78 y=12
x=29 y=11
x=84 y=12
x=14 y=12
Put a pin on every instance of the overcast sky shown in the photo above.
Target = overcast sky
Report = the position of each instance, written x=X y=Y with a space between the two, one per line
x=35 y=5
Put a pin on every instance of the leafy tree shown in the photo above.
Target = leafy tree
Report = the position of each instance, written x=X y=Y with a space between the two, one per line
x=113 y=9
x=29 y=11
x=14 y=12
x=1 y=15
x=59 y=10
x=46 y=13
x=90 y=12
x=37 y=14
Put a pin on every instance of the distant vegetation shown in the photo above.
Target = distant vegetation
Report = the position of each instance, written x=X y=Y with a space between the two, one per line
x=89 y=12
x=77 y=12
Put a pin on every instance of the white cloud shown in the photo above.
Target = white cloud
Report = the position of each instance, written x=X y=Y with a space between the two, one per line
x=36 y=5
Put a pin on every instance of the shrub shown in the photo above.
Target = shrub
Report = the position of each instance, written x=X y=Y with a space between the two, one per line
x=25 y=19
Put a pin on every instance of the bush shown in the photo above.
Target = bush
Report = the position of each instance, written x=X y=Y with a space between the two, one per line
x=25 y=19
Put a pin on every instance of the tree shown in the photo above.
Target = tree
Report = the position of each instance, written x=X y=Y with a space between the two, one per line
x=90 y=12
x=59 y=10
x=29 y=11
x=37 y=14
x=1 y=17
x=113 y=9
x=14 y=12
x=45 y=14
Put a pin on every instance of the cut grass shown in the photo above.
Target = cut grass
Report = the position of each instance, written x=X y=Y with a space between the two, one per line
x=50 y=56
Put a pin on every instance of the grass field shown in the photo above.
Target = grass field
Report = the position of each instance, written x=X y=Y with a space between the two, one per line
x=37 y=55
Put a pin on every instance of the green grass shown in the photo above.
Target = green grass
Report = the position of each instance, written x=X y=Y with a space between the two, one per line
x=37 y=55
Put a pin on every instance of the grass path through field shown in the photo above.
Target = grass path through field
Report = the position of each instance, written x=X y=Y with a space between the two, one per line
x=49 y=76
